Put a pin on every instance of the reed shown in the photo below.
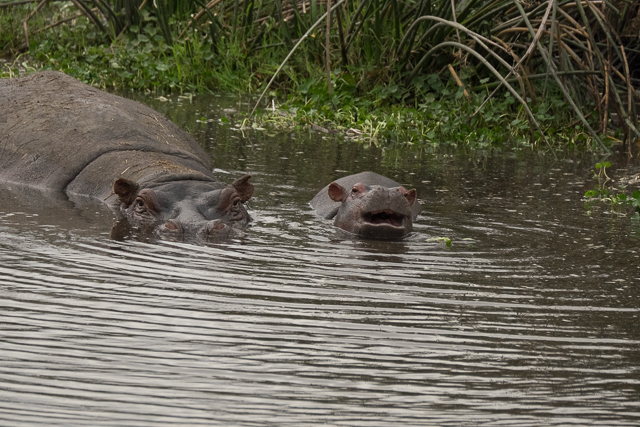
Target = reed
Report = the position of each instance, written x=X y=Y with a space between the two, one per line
x=587 y=50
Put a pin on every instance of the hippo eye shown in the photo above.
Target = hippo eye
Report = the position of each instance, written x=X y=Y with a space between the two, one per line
x=354 y=190
x=139 y=203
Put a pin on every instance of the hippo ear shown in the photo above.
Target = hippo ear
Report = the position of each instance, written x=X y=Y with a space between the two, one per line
x=126 y=191
x=243 y=188
x=411 y=196
x=336 y=192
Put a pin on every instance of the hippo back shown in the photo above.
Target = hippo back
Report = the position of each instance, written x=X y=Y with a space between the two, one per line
x=52 y=127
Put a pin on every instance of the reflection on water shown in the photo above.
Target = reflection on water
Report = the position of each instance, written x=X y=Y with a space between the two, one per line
x=530 y=318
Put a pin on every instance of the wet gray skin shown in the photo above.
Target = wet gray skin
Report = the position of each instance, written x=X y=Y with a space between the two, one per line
x=368 y=205
x=185 y=209
x=60 y=134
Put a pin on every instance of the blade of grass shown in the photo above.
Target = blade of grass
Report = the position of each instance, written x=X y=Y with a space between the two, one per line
x=110 y=15
x=328 y=48
x=304 y=36
x=552 y=34
x=163 y=20
x=235 y=18
x=199 y=15
x=550 y=66
x=525 y=56
x=498 y=76
x=213 y=23
x=89 y=14
x=477 y=37
x=343 y=47
x=284 y=29
x=396 y=19
x=62 y=21
x=38 y=7
x=453 y=12
x=539 y=76
x=356 y=24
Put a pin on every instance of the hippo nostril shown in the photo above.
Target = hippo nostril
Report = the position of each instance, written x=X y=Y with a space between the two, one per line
x=214 y=230
x=172 y=225
x=216 y=226
x=171 y=230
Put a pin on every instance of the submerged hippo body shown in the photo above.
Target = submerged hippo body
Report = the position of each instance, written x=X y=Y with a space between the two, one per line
x=368 y=205
x=58 y=133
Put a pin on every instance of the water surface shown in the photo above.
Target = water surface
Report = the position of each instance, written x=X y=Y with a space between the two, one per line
x=529 y=318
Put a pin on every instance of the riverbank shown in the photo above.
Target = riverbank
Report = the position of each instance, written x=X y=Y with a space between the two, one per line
x=367 y=100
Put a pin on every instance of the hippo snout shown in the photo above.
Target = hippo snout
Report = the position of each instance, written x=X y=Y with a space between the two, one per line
x=207 y=230
x=213 y=230
x=170 y=230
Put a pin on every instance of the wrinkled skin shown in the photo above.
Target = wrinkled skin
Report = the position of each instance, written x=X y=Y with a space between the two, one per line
x=185 y=209
x=368 y=205
x=57 y=133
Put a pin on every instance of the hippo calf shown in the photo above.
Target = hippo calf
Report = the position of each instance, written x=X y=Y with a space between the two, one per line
x=368 y=205
x=58 y=133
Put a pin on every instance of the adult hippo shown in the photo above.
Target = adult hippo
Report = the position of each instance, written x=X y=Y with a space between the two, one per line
x=58 y=133
x=368 y=205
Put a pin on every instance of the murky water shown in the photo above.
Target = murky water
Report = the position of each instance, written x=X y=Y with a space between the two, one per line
x=529 y=318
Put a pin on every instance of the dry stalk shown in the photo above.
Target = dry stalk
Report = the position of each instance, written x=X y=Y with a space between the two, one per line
x=606 y=91
x=458 y=81
x=26 y=32
x=453 y=11
x=328 y=48
x=209 y=6
x=536 y=38
x=62 y=21
x=35 y=10
x=629 y=87
x=575 y=23
x=26 y=26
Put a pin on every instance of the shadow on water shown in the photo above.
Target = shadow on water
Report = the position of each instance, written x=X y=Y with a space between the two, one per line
x=529 y=318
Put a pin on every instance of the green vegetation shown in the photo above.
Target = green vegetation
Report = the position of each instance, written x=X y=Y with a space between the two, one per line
x=614 y=196
x=445 y=240
x=550 y=73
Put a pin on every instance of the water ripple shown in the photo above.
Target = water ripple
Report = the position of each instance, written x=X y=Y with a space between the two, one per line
x=529 y=318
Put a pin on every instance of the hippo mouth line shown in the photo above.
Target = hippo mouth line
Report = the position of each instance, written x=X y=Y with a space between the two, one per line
x=385 y=217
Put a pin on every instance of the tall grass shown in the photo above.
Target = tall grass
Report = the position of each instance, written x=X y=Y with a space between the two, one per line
x=586 y=50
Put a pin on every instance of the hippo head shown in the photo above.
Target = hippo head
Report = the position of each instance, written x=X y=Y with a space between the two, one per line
x=185 y=209
x=374 y=211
